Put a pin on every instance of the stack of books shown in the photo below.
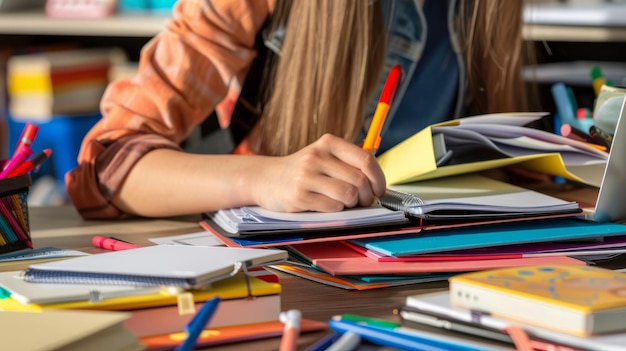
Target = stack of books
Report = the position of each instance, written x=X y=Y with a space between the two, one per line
x=159 y=298
x=63 y=82
x=152 y=310
x=557 y=307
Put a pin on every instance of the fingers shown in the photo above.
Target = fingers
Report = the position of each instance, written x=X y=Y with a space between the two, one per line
x=345 y=183
x=358 y=158
x=344 y=172
x=327 y=176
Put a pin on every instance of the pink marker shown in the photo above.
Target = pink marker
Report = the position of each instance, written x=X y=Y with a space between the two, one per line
x=104 y=242
x=18 y=158
x=291 y=331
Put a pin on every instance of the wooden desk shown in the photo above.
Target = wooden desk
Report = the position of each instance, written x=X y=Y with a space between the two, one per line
x=62 y=227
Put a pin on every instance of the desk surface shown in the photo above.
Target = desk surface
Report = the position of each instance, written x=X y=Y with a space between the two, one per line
x=62 y=227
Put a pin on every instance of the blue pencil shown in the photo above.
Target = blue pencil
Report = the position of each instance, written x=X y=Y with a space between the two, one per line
x=197 y=324
x=400 y=337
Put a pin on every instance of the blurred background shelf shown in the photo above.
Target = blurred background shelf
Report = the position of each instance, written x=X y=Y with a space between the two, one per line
x=556 y=32
x=122 y=24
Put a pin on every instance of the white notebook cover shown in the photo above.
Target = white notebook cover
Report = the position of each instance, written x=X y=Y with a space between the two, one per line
x=36 y=293
x=198 y=265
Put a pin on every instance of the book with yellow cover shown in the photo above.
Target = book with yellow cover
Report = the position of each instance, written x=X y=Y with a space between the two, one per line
x=229 y=288
x=160 y=312
x=579 y=300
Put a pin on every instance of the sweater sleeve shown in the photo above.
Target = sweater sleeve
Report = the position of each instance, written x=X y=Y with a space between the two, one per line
x=184 y=72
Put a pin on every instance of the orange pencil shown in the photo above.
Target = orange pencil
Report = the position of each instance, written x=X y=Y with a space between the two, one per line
x=372 y=139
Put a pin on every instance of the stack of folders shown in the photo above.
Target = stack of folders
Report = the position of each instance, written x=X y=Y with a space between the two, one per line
x=159 y=296
x=478 y=143
x=557 y=307
x=436 y=255
x=466 y=222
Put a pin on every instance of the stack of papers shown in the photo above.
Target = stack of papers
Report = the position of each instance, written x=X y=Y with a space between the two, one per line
x=436 y=310
x=478 y=143
x=256 y=219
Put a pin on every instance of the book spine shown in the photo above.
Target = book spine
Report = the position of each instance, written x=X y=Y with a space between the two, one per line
x=55 y=277
x=515 y=306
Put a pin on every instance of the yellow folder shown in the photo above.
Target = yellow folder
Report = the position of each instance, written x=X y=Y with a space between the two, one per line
x=414 y=158
x=230 y=288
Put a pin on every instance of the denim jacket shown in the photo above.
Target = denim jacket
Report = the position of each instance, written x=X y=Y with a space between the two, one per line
x=406 y=43
x=432 y=71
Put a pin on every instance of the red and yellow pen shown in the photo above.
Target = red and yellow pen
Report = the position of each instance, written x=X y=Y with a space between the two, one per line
x=372 y=139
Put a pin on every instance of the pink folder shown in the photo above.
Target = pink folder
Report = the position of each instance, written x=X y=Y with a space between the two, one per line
x=338 y=259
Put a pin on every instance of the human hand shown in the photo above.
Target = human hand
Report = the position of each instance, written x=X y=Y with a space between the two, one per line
x=326 y=176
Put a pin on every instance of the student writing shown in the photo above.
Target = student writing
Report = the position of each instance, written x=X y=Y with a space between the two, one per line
x=317 y=91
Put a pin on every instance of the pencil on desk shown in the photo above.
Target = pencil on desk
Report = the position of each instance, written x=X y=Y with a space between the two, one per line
x=291 y=319
x=198 y=323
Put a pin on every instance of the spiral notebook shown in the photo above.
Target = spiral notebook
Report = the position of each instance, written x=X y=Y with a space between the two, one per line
x=161 y=265
x=465 y=200
x=464 y=197
x=471 y=196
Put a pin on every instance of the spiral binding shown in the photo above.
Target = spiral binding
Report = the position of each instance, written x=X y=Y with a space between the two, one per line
x=401 y=201
x=54 y=277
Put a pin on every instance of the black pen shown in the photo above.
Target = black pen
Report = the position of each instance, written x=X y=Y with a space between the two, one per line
x=601 y=137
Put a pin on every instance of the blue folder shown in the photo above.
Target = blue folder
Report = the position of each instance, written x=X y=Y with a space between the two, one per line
x=490 y=235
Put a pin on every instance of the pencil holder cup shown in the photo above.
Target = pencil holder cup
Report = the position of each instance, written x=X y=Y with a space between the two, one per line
x=14 y=222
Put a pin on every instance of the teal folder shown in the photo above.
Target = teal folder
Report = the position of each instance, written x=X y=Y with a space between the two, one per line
x=491 y=235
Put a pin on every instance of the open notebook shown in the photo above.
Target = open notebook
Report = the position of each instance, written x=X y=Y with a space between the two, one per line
x=460 y=201
x=471 y=196
x=464 y=197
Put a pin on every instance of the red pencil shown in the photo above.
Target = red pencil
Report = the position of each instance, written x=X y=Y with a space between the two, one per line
x=30 y=164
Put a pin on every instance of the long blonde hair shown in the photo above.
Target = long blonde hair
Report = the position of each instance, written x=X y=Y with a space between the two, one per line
x=329 y=65
x=491 y=34
x=332 y=55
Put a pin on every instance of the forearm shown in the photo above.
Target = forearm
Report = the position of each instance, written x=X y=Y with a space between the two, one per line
x=167 y=182
x=328 y=175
